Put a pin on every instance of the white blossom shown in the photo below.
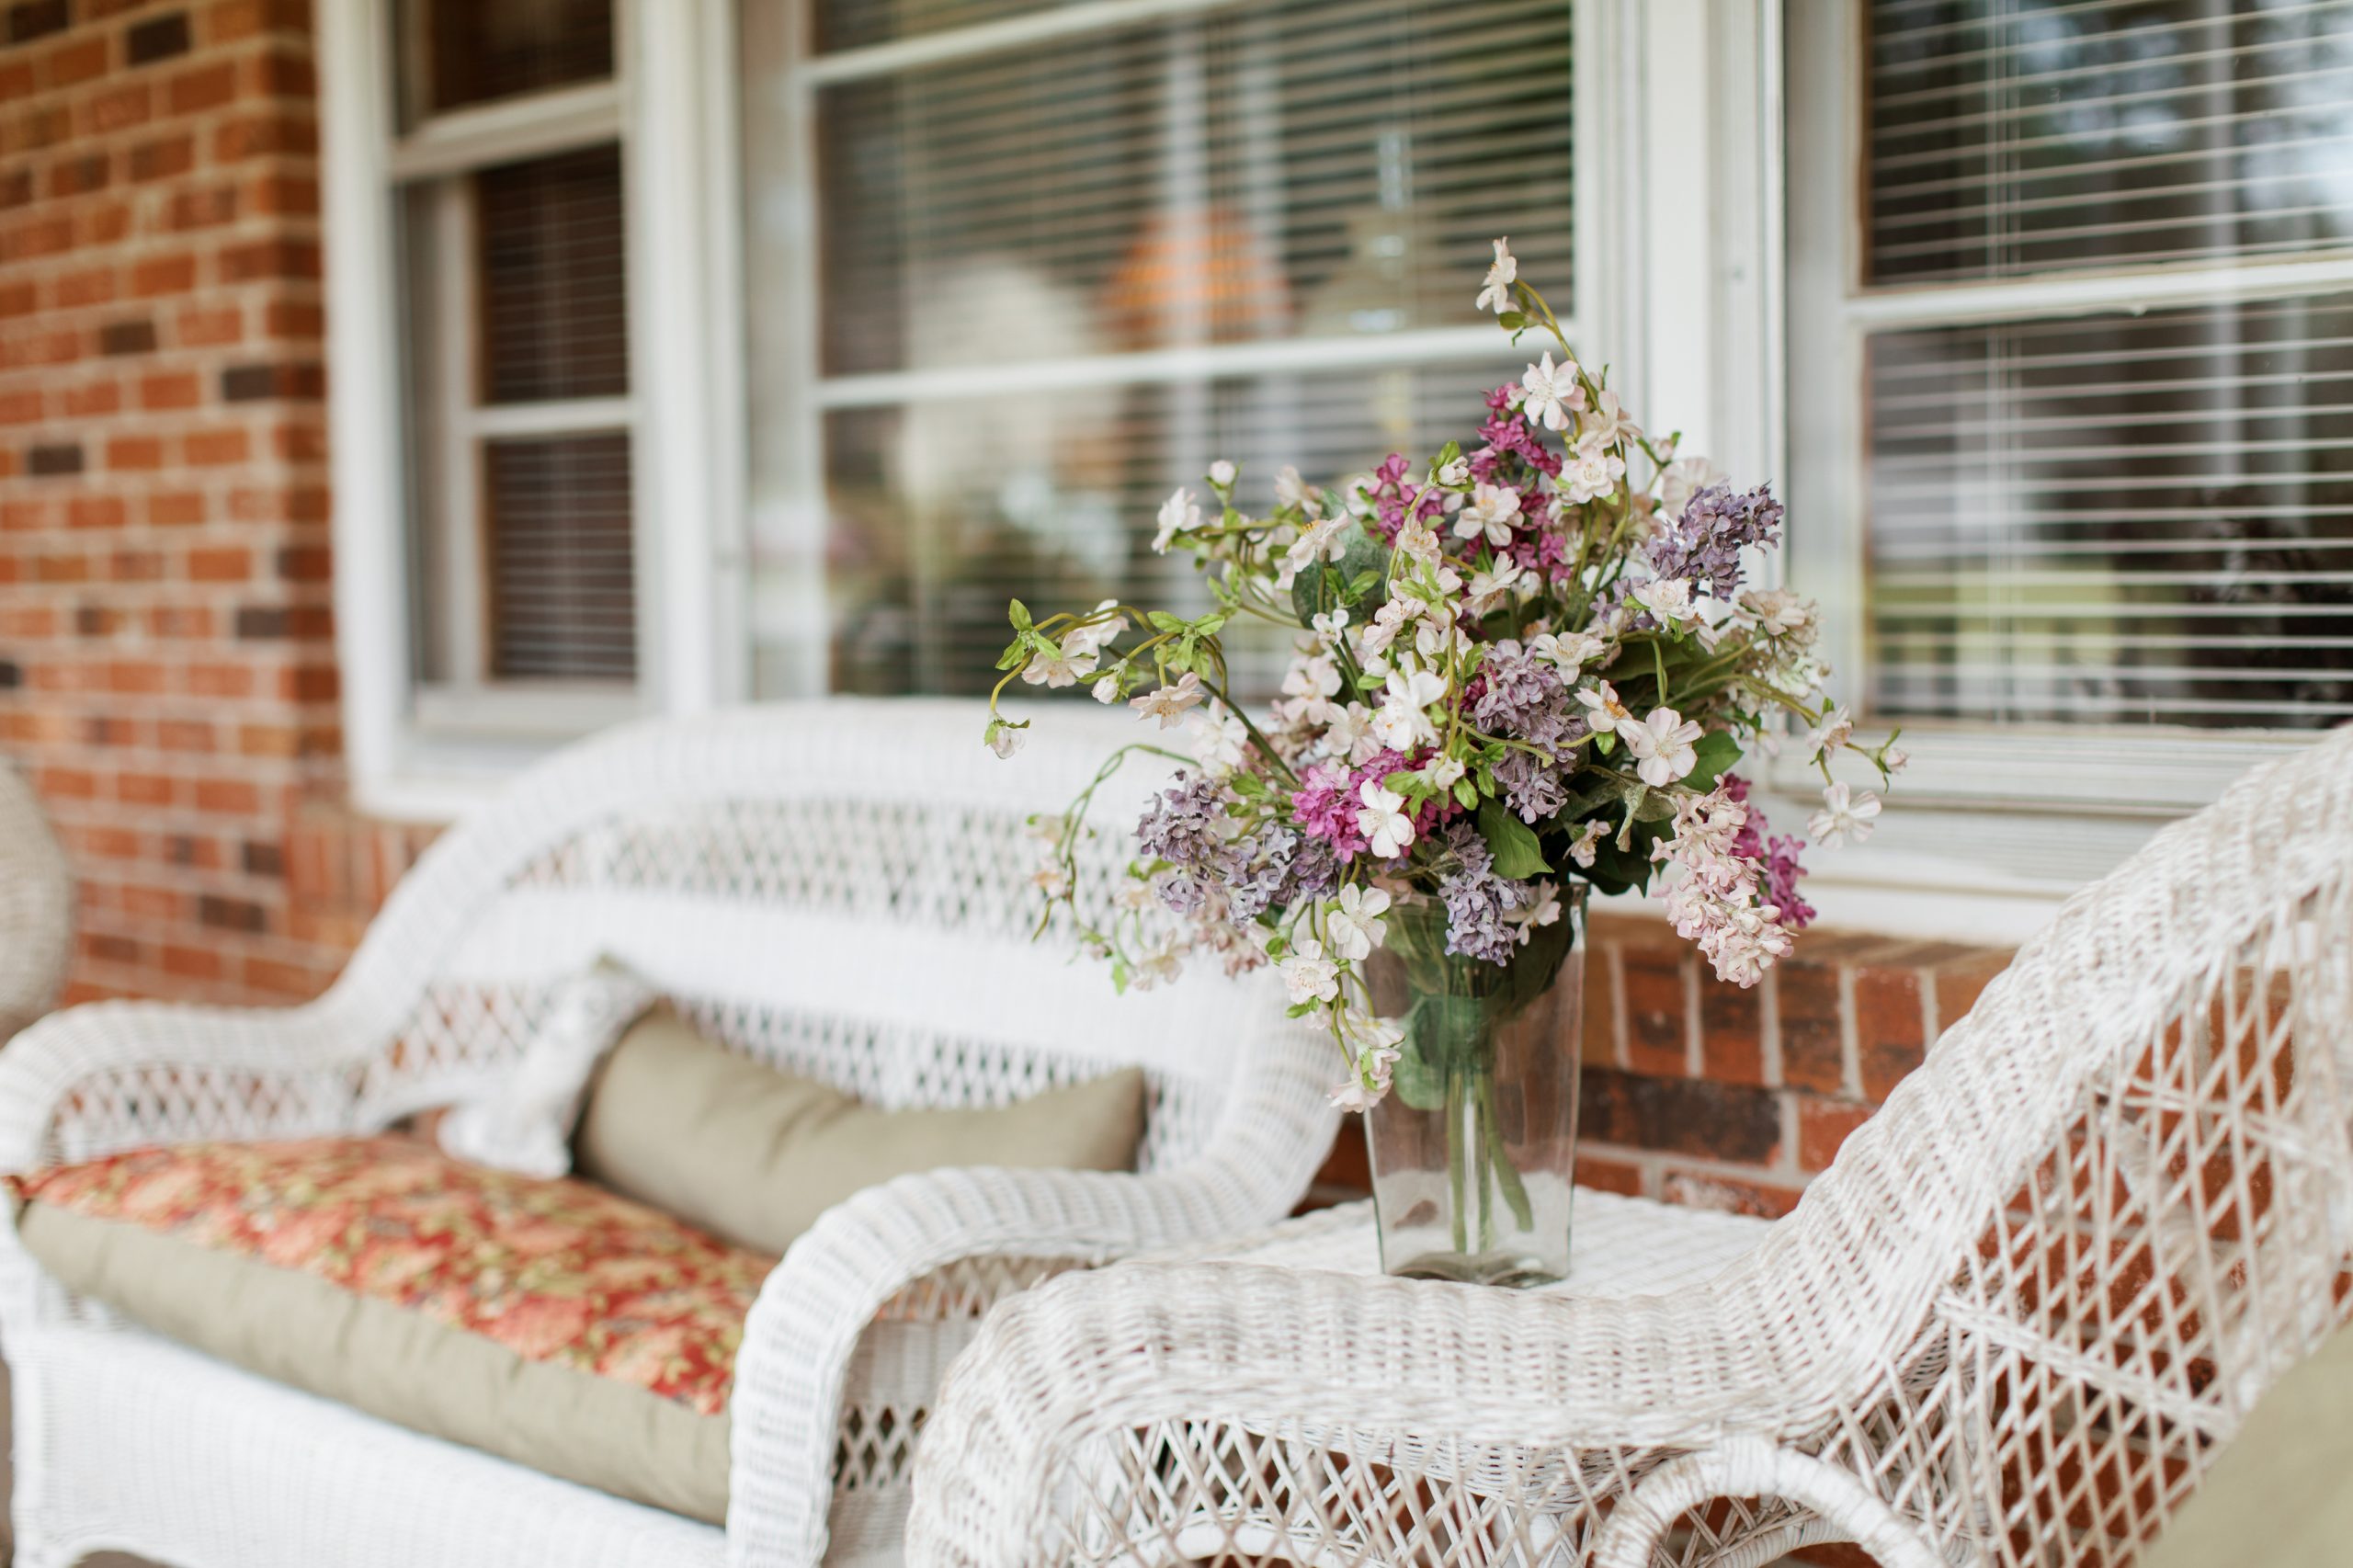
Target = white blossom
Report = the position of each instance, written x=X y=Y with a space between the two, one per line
x=1222 y=474
x=1057 y=670
x=1490 y=587
x=1312 y=682
x=1321 y=540
x=1543 y=909
x=1491 y=511
x=1005 y=738
x=1776 y=611
x=1455 y=472
x=1845 y=817
x=1354 y=922
x=1168 y=703
x=1383 y=819
x=1551 y=393
x=1571 y=652
x=1662 y=744
x=1603 y=711
x=1218 y=744
x=1178 y=514
x=1308 y=975
x=1160 y=965
x=1594 y=471
x=1668 y=599
x=1835 y=729
x=1107 y=690
x=1404 y=720
x=1607 y=424
x=1290 y=490
x=1581 y=848
x=1093 y=636
x=1685 y=478
x=1497 y=294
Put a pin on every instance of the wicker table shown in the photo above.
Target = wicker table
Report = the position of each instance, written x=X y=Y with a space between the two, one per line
x=1618 y=1245
x=1229 y=1490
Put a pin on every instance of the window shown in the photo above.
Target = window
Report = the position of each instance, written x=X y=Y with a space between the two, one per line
x=2071 y=397
x=515 y=292
x=534 y=357
x=1016 y=272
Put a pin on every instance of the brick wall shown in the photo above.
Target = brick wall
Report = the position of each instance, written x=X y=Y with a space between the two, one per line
x=166 y=674
x=1699 y=1092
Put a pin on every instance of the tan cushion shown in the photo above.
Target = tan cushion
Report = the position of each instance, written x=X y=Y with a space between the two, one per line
x=550 y=1322
x=2277 y=1498
x=755 y=1155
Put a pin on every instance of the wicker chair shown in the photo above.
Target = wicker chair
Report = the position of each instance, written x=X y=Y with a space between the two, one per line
x=36 y=907
x=841 y=887
x=2013 y=1325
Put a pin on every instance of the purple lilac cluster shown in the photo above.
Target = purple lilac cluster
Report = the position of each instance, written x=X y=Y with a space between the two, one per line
x=1506 y=435
x=1478 y=903
x=1705 y=544
x=1393 y=492
x=1255 y=873
x=1778 y=858
x=1523 y=697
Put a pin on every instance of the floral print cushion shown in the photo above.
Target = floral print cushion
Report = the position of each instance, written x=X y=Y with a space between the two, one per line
x=559 y=1272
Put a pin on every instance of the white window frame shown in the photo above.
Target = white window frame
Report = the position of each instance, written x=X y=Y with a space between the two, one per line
x=432 y=753
x=1979 y=802
x=788 y=528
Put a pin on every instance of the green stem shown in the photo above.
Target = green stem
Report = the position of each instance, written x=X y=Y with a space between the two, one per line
x=1455 y=1156
x=1514 y=1189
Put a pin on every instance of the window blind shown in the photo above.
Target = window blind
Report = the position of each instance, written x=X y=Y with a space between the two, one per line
x=562 y=584
x=553 y=300
x=1303 y=173
x=1326 y=168
x=2140 y=518
x=2011 y=137
x=946 y=509
x=458 y=53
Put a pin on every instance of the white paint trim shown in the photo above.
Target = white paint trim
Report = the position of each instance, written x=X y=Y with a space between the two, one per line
x=992 y=38
x=505 y=132
x=572 y=417
x=671 y=348
x=1430 y=346
x=2133 y=290
x=364 y=392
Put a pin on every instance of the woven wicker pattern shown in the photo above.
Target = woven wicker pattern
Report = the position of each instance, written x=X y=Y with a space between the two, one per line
x=874 y=931
x=36 y=907
x=2011 y=1326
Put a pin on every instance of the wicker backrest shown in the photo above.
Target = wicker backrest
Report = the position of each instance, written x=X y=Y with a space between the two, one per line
x=2117 y=1201
x=844 y=888
x=36 y=907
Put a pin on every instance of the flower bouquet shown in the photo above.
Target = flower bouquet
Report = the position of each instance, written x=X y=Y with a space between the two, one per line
x=1526 y=670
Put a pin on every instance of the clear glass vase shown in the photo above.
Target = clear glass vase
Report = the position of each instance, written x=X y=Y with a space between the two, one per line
x=1474 y=1146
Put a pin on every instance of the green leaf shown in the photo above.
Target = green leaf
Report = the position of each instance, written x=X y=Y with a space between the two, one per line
x=1018 y=613
x=1301 y=1009
x=1322 y=585
x=1716 y=751
x=1512 y=321
x=1163 y=622
x=1517 y=854
x=1465 y=795
x=1016 y=654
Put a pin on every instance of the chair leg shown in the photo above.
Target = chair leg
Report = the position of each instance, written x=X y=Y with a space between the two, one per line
x=1749 y=1467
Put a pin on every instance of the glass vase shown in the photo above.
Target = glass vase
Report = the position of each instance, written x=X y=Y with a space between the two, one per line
x=1475 y=1147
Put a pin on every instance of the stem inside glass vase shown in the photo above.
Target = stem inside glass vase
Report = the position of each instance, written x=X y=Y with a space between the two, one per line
x=1474 y=1148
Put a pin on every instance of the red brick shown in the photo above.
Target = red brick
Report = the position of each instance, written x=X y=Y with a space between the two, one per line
x=1732 y=1031
x=1609 y=1175
x=88 y=400
x=184 y=735
x=1890 y=1036
x=67 y=783
x=221 y=565
x=209 y=325
x=77 y=63
x=96 y=512
x=1812 y=1032
x=206 y=87
x=212 y=679
x=164 y=275
x=1657 y=1008
x=1729 y=1123
x=228 y=797
x=178 y=508
x=1823 y=1126
x=116 y=108
x=227 y=444
x=191 y=963
x=164 y=158
x=170 y=388
x=143 y=789
x=1959 y=983
x=268 y=135
x=91 y=286
x=134 y=452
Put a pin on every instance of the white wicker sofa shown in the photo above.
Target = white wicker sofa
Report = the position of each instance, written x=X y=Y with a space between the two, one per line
x=842 y=888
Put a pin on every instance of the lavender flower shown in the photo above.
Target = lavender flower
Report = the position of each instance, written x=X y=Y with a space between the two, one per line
x=1704 y=545
x=1179 y=826
x=1256 y=881
x=1478 y=901
x=1525 y=698
x=1531 y=787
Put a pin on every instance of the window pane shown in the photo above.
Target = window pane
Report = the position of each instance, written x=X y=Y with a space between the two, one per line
x=2139 y=519
x=554 y=305
x=942 y=511
x=852 y=24
x=2015 y=136
x=562 y=596
x=1321 y=168
x=458 y=52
